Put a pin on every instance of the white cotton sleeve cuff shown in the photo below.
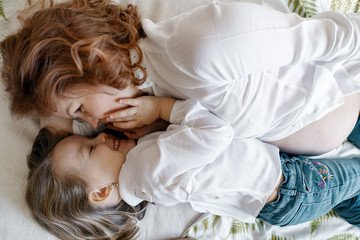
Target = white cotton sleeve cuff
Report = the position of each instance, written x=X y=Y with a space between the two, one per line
x=182 y=109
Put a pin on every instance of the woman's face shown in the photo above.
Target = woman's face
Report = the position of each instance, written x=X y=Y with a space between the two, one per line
x=92 y=104
x=97 y=161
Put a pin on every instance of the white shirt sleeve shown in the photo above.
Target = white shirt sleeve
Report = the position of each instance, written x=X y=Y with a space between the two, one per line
x=253 y=38
x=159 y=164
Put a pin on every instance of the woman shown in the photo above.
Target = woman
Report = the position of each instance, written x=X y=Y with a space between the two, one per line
x=260 y=69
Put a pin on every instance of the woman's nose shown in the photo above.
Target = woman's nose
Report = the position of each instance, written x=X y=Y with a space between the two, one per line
x=93 y=122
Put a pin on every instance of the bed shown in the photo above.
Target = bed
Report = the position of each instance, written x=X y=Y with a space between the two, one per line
x=159 y=222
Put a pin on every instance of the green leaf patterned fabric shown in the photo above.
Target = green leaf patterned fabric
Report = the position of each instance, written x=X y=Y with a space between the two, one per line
x=308 y=8
x=305 y=8
x=346 y=6
x=2 y=13
x=226 y=228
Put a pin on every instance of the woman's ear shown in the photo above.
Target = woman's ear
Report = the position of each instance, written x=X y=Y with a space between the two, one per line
x=100 y=195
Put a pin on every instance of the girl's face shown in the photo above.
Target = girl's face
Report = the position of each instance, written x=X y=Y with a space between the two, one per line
x=97 y=161
x=93 y=104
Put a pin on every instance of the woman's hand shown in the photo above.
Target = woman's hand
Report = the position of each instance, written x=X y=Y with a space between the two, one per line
x=141 y=111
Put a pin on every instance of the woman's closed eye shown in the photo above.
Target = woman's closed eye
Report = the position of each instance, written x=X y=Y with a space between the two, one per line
x=91 y=149
x=79 y=110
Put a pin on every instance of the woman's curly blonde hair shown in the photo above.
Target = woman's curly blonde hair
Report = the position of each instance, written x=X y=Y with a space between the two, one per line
x=75 y=42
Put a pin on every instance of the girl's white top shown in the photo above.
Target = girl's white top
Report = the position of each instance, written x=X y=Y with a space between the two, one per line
x=197 y=161
x=268 y=73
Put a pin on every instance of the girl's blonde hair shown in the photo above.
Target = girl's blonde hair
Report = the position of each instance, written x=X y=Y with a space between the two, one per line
x=61 y=205
x=75 y=42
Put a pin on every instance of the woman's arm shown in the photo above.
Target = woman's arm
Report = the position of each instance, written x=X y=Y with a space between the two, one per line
x=252 y=38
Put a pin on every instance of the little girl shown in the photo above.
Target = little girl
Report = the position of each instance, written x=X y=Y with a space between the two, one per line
x=272 y=75
x=196 y=161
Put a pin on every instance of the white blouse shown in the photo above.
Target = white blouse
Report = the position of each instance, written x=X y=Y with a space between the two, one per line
x=197 y=161
x=267 y=72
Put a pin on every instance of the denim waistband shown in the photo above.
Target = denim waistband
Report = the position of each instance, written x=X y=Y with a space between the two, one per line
x=292 y=168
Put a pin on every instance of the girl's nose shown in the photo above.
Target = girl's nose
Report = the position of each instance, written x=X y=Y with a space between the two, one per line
x=101 y=138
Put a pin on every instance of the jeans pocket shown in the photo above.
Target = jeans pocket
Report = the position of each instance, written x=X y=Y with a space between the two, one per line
x=277 y=212
x=310 y=211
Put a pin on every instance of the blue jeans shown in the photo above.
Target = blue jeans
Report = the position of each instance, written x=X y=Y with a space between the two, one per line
x=312 y=187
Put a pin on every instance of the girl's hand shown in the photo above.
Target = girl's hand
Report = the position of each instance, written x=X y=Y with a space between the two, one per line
x=141 y=111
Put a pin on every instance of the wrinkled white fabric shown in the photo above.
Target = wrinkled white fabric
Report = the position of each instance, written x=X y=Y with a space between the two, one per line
x=267 y=72
x=197 y=161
